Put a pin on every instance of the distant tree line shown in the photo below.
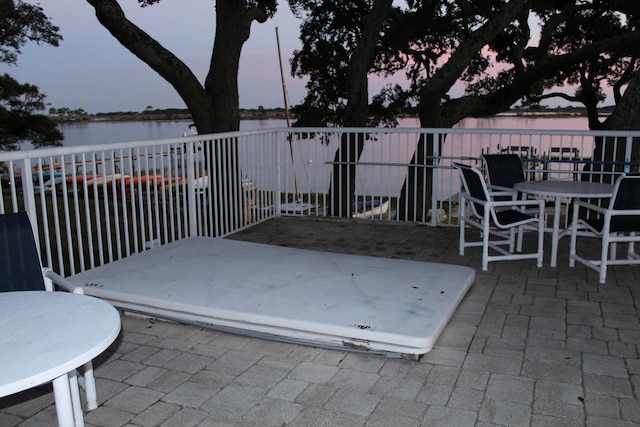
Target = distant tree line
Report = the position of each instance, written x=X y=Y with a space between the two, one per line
x=64 y=114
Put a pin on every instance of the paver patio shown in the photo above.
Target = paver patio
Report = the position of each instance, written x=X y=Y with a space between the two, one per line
x=526 y=347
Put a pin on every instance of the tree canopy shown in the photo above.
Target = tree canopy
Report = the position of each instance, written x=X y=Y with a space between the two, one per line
x=499 y=52
x=19 y=120
x=21 y=23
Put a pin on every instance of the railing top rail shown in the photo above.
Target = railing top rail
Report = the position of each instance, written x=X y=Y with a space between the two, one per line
x=64 y=150
x=113 y=146
x=482 y=131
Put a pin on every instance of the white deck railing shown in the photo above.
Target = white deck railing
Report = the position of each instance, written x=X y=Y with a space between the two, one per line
x=98 y=203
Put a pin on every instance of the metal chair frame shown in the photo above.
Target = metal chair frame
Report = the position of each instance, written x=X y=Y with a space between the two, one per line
x=497 y=218
x=506 y=170
x=619 y=222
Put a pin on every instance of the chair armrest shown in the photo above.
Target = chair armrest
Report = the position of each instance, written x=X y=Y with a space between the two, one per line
x=512 y=203
x=506 y=203
x=497 y=190
x=54 y=278
x=624 y=212
x=589 y=206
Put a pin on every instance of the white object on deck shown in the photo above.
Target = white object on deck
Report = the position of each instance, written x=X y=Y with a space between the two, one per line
x=311 y=297
x=297 y=208
x=373 y=211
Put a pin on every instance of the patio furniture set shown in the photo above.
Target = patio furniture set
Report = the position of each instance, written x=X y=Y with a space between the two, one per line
x=502 y=208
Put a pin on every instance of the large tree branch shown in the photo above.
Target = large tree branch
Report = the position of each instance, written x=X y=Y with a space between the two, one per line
x=550 y=27
x=445 y=77
x=165 y=63
x=522 y=85
x=549 y=95
x=518 y=50
x=626 y=116
x=624 y=79
x=362 y=59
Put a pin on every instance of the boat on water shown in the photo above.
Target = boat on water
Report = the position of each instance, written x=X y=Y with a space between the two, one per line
x=7 y=179
x=191 y=131
x=141 y=183
x=105 y=179
x=60 y=181
x=141 y=180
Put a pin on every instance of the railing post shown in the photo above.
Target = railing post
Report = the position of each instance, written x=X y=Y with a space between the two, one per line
x=627 y=154
x=191 y=189
x=278 y=171
x=29 y=197
x=434 y=177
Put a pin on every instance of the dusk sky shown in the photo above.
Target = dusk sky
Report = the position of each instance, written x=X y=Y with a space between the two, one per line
x=91 y=70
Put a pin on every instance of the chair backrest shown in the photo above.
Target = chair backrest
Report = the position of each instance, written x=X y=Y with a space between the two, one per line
x=626 y=196
x=474 y=185
x=504 y=170
x=20 y=268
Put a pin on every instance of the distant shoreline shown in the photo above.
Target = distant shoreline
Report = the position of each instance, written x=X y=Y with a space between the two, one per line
x=185 y=117
x=164 y=115
x=279 y=114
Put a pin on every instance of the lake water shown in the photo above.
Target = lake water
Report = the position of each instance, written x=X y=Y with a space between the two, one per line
x=97 y=132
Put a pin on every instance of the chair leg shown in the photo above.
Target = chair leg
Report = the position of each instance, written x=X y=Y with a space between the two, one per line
x=512 y=239
x=604 y=257
x=485 y=245
x=540 y=257
x=88 y=381
x=461 y=238
x=520 y=239
x=574 y=237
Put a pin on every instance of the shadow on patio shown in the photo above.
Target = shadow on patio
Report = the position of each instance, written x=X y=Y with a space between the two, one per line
x=526 y=347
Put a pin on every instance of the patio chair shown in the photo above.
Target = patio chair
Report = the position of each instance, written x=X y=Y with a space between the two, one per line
x=499 y=219
x=503 y=171
x=22 y=271
x=617 y=223
x=528 y=157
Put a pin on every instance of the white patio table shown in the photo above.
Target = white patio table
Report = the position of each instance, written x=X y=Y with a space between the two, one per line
x=45 y=336
x=562 y=190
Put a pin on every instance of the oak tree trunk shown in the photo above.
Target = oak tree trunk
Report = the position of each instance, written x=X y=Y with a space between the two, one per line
x=342 y=189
